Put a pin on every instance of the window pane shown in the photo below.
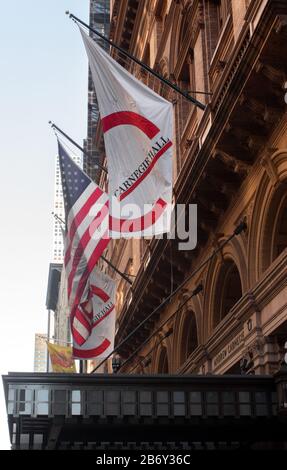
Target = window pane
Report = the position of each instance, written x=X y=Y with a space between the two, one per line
x=11 y=394
x=212 y=397
x=229 y=410
x=261 y=410
x=60 y=395
x=178 y=397
x=129 y=409
x=112 y=409
x=76 y=395
x=24 y=440
x=260 y=397
x=145 y=397
x=42 y=409
x=245 y=410
x=112 y=397
x=195 y=410
x=195 y=397
x=179 y=410
x=10 y=408
x=25 y=395
x=38 y=441
x=146 y=410
x=43 y=395
x=95 y=409
x=162 y=397
x=76 y=408
x=128 y=397
x=244 y=397
x=59 y=408
x=162 y=409
x=95 y=395
x=228 y=397
x=212 y=410
x=25 y=408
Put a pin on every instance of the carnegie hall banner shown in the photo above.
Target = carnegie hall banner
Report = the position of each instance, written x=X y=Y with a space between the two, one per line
x=138 y=133
x=100 y=315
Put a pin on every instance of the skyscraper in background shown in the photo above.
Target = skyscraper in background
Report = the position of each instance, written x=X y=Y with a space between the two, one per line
x=58 y=244
x=40 y=354
x=100 y=21
x=57 y=300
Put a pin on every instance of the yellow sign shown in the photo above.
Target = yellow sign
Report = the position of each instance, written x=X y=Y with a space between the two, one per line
x=61 y=358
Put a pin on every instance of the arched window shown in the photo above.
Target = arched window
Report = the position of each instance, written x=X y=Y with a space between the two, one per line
x=279 y=239
x=163 y=362
x=160 y=15
x=189 y=340
x=186 y=82
x=228 y=290
x=217 y=12
x=274 y=239
x=186 y=76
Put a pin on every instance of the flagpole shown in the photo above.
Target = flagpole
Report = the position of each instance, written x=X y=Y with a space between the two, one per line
x=53 y=125
x=242 y=226
x=48 y=337
x=167 y=334
x=123 y=275
x=58 y=218
x=139 y=62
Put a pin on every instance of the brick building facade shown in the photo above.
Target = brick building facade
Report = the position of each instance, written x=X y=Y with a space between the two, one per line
x=231 y=160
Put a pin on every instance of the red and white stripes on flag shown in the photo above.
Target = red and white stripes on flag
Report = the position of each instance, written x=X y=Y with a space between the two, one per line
x=87 y=220
x=83 y=252
x=99 y=311
x=138 y=133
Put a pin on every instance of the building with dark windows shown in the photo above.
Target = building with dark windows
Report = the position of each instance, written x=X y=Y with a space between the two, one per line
x=130 y=411
x=54 y=278
x=57 y=302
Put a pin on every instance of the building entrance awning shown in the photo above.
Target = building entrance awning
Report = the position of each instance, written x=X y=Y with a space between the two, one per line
x=129 y=411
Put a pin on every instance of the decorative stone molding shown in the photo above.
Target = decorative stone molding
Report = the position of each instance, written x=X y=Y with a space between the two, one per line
x=270 y=167
x=253 y=302
x=248 y=217
x=231 y=71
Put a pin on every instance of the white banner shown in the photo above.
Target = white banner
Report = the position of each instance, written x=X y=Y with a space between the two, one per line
x=100 y=309
x=138 y=133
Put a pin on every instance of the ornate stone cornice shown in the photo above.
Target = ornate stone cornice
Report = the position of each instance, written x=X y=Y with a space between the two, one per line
x=195 y=23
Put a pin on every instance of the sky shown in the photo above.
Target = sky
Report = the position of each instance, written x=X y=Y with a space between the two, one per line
x=43 y=77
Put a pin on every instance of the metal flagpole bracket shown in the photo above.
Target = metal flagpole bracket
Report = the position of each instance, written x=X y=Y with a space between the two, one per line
x=242 y=227
x=58 y=218
x=123 y=275
x=56 y=128
x=139 y=62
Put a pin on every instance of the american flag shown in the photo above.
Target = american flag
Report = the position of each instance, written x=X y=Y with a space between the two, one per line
x=86 y=237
